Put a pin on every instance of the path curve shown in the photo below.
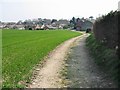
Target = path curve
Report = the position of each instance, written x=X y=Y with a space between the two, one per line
x=82 y=72
x=49 y=75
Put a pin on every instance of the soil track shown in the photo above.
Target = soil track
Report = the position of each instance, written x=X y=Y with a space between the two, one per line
x=49 y=75
x=82 y=72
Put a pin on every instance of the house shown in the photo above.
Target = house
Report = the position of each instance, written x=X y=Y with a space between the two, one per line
x=65 y=22
x=83 y=24
x=1 y=26
x=37 y=27
x=54 y=24
x=44 y=27
x=46 y=21
x=20 y=27
x=60 y=24
x=78 y=25
x=11 y=26
x=87 y=25
x=51 y=27
x=14 y=26
x=29 y=27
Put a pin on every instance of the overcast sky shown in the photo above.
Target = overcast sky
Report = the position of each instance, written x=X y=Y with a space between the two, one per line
x=14 y=10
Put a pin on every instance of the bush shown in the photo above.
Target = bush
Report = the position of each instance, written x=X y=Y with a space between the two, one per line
x=104 y=56
x=106 y=29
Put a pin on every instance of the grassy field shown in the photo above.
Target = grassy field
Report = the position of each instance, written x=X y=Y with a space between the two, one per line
x=23 y=49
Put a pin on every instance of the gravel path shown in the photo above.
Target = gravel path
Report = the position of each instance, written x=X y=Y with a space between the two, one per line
x=49 y=75
x=70 y=59
x=82 y=72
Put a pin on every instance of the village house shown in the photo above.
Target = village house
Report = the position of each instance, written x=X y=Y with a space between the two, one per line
x=60 y=24
x=37 y=27
x=47 y=21
x=20 y=27
x=86 y=25
x=2 y=25
x=83 y=24
x=78 y=25
x=51 y=27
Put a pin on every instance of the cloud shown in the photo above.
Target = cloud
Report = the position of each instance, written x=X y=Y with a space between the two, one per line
x=25 y=9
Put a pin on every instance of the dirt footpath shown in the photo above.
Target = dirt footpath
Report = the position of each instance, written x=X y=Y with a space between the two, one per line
x=82 y=72
x=49 y=75
x=70 y=60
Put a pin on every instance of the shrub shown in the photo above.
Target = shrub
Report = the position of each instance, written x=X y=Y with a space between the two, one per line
x=104 y=57
x=106 y=29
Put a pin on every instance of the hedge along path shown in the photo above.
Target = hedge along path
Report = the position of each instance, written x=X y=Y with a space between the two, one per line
x=49 y=75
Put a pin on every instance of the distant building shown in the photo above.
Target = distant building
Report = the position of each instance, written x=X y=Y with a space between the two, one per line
x=47 y=21
x=78 y=24
x=83 y=25
x=86 y=25
x=65 y=22
x=37 y=27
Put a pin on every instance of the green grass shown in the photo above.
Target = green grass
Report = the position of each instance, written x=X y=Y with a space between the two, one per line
x=105 y=57
x=23 y=49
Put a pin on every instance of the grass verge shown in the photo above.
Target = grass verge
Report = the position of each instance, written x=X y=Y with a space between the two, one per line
x=104 y=57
